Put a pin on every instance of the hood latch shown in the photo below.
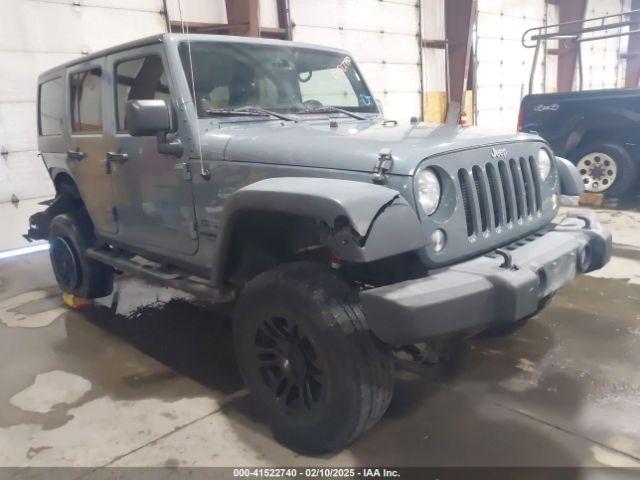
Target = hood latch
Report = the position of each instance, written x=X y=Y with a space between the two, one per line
x=383 y=165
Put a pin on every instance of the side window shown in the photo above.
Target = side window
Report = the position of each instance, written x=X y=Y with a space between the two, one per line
x=329 y=87
x=51 y=107
x=140 y=79
x=86 y=101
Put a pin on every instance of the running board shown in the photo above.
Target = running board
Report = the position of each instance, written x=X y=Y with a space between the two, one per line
x=154 y=274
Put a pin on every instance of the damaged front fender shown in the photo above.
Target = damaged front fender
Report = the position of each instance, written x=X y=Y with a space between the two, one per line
x=361 y=222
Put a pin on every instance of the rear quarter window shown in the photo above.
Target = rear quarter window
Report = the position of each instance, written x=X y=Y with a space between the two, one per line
x=86 y=101
x=51 y=107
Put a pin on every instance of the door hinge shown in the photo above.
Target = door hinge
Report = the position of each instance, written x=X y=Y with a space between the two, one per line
x=383 y=165
x=193 y=230
x=186 y=170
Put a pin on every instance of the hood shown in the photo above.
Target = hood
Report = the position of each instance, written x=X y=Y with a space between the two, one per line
x=352 y=145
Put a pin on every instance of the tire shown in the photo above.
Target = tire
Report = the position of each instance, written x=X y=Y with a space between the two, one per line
x=509 y=328
x=70 y=236
x=308 y=358
x=617 y=178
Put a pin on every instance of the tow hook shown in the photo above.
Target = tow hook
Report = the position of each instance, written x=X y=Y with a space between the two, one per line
x=508 y=259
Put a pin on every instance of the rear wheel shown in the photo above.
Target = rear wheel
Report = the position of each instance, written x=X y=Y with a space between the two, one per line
x=606 y=168
x=308 y=358
x=69 y=237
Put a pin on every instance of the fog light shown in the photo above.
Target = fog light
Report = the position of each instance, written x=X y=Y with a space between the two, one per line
x=438 y=239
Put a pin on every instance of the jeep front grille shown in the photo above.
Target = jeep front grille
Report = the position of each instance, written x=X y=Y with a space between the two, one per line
x=500 y=194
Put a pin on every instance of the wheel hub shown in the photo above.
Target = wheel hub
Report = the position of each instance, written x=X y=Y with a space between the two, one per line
x=288 y=365
x=598 y=171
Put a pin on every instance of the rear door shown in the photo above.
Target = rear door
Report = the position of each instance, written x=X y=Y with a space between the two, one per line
x=153 y=194
x=87 y=144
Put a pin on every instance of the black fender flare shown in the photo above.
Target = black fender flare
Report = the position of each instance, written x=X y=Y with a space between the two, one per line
x=600 y=119
x=364 y=222
x=570 y=180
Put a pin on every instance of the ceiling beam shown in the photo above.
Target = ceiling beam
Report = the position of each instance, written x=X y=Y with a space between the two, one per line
x=568 y=11
x=632 y=76
x=460 y=16
x=246 y=13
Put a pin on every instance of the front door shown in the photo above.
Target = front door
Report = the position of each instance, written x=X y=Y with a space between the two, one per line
x=88 y=147
x=153 y=194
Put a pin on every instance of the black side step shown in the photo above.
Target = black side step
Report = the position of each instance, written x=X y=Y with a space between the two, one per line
x=154 y=274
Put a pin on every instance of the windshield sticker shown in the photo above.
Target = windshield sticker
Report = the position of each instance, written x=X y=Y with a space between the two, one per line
x=366 y=100
x=345 y=64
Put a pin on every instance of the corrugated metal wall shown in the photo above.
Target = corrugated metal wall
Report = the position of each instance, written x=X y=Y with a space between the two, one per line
x=382 y=36
x=36 y=35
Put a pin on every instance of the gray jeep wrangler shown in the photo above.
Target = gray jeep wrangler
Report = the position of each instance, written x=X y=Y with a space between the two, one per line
x=263 y=173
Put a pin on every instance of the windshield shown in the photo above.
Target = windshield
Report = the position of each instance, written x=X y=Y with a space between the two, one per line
x=279 y=78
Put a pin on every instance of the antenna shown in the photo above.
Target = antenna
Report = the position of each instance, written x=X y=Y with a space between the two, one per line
x=185 y=29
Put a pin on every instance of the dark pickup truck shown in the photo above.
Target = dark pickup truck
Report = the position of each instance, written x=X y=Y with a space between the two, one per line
x=597 y=130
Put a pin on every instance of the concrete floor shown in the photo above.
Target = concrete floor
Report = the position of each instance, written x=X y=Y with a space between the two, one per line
x=137 y=381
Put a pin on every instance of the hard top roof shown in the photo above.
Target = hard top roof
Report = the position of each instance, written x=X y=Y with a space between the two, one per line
x=180 y=37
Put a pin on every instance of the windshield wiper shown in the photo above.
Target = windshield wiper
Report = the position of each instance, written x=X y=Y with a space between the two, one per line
x=330 y=109
x=248 y=111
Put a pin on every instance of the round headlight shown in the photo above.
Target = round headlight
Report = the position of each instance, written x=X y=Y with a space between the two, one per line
x=544 y=163
x=428 y=190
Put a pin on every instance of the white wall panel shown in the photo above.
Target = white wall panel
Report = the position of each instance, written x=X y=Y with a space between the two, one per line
x=503 y=68
x=36 y=35
x=435 y=63
x=382 y=36
x=199 y=11
x=269 y=14
x=18 y=126
x=601 y=59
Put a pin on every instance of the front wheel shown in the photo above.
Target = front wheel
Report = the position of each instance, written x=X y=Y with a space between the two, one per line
x=308 y=358
x=606 y=168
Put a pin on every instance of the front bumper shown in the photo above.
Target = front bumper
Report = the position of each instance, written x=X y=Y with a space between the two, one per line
x=502 y=287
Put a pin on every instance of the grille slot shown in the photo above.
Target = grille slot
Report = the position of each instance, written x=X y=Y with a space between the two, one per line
x=509 y=192
x=529 y=187
x=497 y=196
x=500 y=194
x=464 y=189
x=536 y=182
x=518 y=184
x=483 y=197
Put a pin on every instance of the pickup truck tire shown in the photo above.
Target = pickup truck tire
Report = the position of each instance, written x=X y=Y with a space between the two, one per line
x=69 y=237
x=308 y=358
x=618 y=163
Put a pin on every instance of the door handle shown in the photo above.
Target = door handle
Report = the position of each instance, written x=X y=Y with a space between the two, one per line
x=117 y=157
x=113 y=157
x=75 y=155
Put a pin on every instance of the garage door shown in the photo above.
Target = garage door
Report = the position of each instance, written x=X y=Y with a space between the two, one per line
x=601 y=61
x=383 y=38
x=36 y=35
x=503 y=64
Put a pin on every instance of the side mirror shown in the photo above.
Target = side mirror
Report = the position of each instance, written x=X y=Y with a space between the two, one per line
x=145 y=118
